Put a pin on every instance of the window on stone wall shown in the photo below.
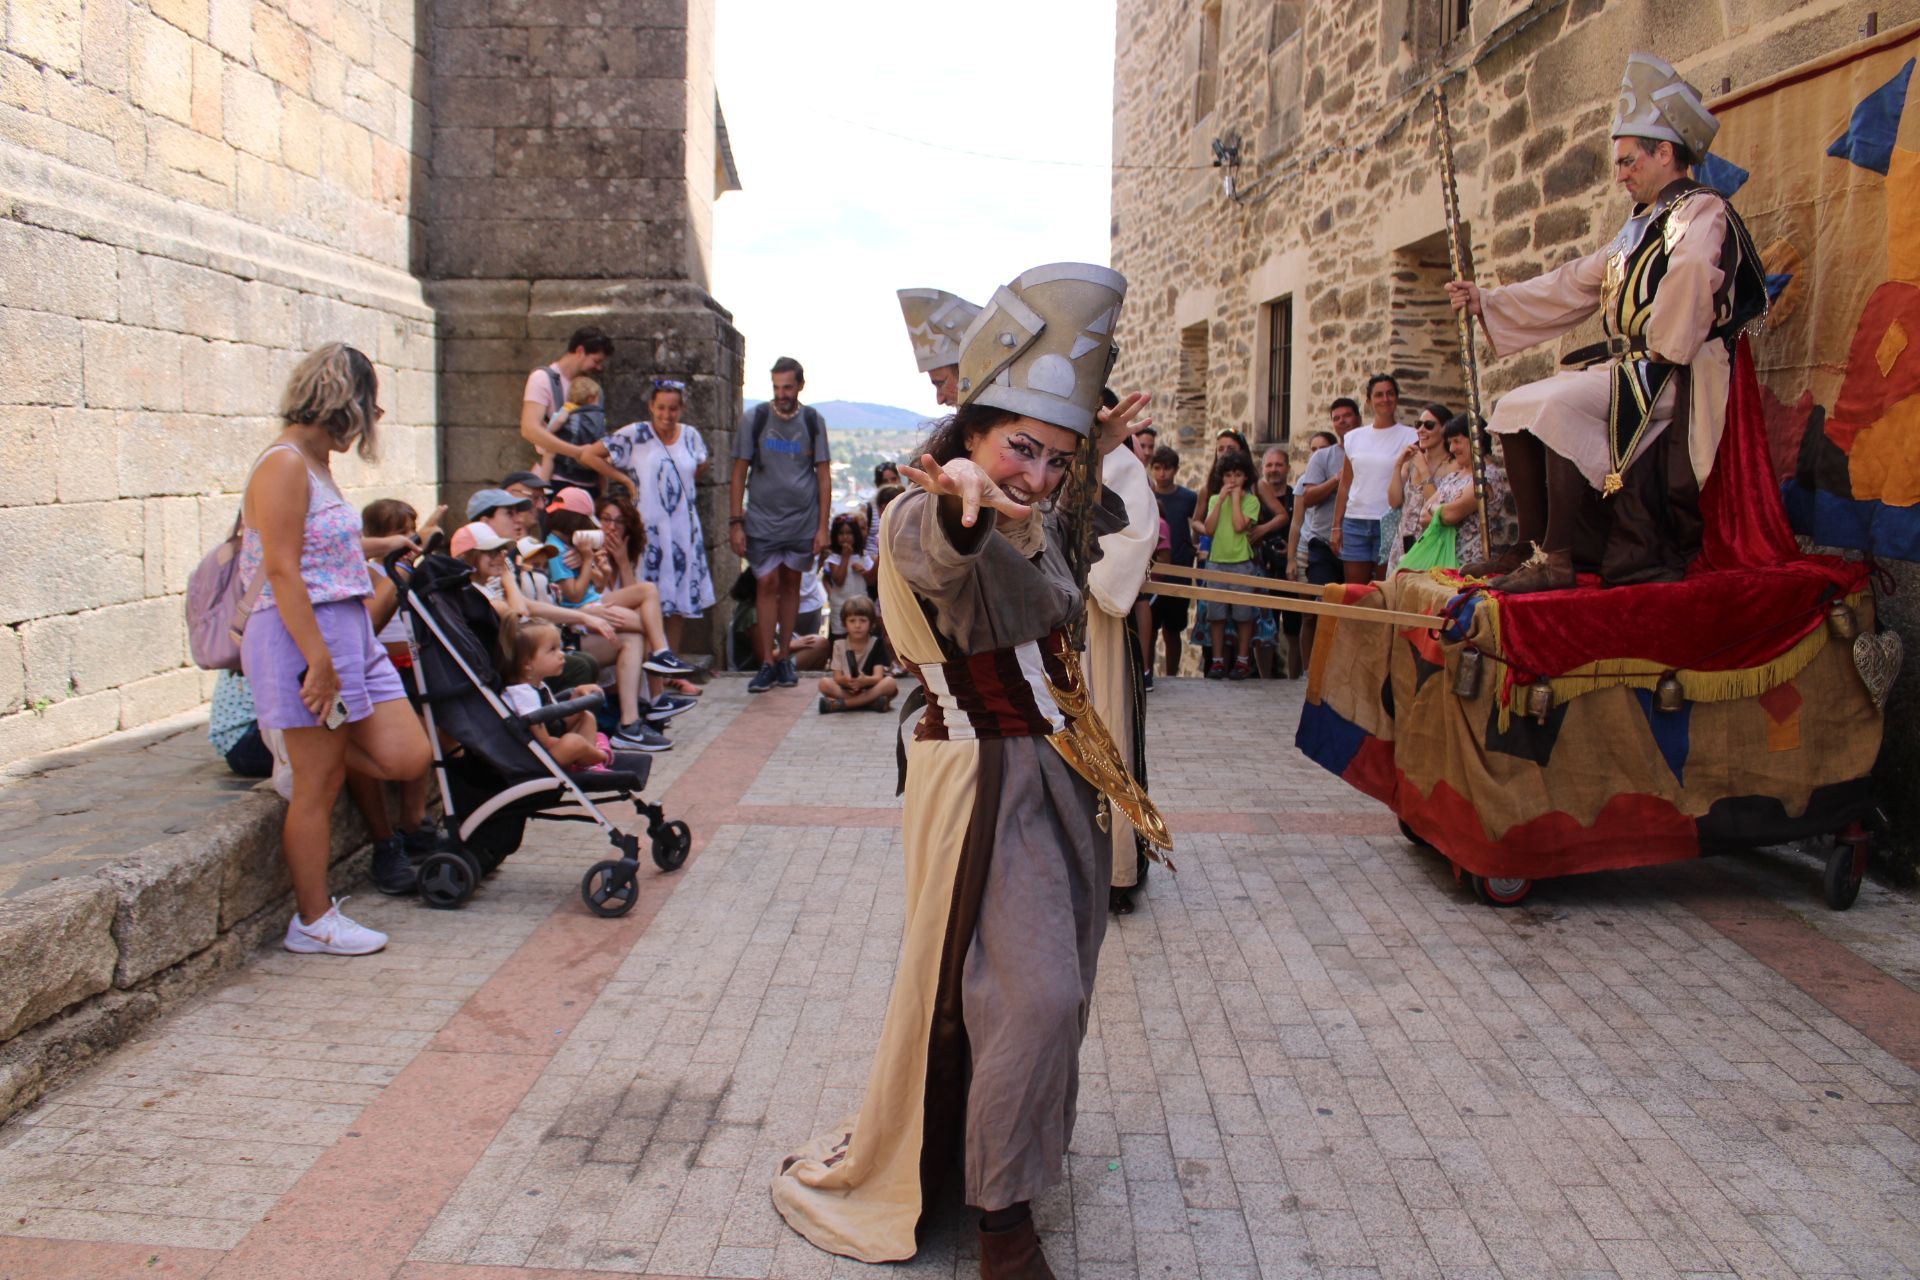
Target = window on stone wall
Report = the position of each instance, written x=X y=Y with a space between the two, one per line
x=1190 y=389
x=1206 y=78
x=1424 y=345
x=1276 y=424
x=1460 y=16
x=1285 y=65
x=1428 y=27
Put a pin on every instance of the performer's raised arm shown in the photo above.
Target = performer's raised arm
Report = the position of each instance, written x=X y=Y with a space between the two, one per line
x=1518 y=316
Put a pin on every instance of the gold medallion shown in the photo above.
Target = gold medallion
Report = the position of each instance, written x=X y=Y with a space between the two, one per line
x=1613 y=485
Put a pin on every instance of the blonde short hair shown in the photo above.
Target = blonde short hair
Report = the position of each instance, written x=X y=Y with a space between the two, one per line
x=335 y=387
x=583 y=390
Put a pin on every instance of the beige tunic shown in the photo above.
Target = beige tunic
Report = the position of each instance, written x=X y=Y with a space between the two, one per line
x=1568 y=411
x=1113 y=584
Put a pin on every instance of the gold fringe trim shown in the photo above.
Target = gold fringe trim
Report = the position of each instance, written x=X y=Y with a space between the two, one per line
x=1697 y=686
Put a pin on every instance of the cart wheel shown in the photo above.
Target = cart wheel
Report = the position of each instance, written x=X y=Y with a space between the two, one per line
x=609 y=888
x=1845 y=867
x=1501 y=891
x=446 y=880
x=1413 y=837
x=671 y=845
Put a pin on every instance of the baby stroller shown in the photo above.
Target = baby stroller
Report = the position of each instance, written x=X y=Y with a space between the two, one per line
x=499 y=776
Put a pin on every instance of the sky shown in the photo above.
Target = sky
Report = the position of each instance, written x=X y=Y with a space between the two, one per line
x=852 y=125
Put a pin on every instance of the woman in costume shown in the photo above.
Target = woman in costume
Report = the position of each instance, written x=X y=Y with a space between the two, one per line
x=1010 y=789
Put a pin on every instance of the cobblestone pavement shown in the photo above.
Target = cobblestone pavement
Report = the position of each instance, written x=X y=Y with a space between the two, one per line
x=70 y=811
x=1312 y=1054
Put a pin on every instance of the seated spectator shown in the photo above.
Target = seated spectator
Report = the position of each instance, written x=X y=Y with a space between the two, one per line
x=809 y=649
x=529 y=485
x=507 y=515
x=857 y=675
x=534 y=657
x=233 y=731
x=600 y=586
x=845 y=569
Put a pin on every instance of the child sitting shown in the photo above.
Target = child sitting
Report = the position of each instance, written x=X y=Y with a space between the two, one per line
x=857 y=676
x=534 y=657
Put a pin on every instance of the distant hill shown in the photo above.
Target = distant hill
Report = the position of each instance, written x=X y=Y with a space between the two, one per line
x=857 y=415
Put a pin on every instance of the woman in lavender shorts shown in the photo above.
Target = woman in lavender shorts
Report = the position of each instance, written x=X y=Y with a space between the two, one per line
x=318 y=675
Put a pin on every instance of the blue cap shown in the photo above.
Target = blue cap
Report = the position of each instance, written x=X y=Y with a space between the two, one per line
x=488 y=499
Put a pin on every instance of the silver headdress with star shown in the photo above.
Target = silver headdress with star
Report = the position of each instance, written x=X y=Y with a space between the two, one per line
x=936 y=321
x=1044 y=345
x=1655 y=102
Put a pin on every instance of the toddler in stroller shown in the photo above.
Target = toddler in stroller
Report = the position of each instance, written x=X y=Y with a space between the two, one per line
x=500 y=772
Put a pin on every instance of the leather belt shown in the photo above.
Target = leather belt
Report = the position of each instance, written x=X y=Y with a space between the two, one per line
x=1616 y=347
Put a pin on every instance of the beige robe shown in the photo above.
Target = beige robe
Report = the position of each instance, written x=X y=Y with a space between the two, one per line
x=1113 y=584
x=1568 y=411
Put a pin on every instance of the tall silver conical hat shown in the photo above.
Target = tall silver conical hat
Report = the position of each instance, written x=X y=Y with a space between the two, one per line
x=936 y=320
x=1656 y=103
x=1044 y=345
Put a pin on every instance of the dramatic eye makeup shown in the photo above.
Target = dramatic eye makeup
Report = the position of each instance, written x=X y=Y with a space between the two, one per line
x=1027 y=447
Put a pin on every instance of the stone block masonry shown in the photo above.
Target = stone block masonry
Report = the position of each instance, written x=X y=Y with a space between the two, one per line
x=194 y=194
x=1339 y=229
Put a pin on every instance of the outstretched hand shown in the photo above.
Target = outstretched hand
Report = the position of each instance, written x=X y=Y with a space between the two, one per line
x=962 y=478
x=1117 y=423
x=1464 y=295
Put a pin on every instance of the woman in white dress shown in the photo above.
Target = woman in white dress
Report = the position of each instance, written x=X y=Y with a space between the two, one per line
x=665 y=458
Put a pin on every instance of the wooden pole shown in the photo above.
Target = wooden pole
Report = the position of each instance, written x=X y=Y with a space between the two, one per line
x=1244 y=581
x=1469 y=360
x=1286 y=604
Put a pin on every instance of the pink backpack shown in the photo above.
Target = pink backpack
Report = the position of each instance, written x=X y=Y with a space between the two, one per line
x=217 y=606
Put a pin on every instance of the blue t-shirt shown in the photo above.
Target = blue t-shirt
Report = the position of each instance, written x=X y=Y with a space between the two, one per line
x=557 y=570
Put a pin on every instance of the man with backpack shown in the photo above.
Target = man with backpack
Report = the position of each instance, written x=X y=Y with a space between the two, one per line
x=780 y=498
x=588 y=351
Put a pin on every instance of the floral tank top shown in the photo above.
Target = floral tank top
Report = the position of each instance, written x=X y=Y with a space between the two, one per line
x=332 y=564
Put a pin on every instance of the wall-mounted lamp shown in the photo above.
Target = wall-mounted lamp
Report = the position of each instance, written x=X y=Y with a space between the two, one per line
x=1226 y=155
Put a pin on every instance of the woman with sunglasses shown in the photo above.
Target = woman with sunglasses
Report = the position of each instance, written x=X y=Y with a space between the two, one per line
x=1414 y=477
x=664 y=459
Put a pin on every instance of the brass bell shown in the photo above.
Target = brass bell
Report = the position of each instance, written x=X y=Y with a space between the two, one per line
x=1668 y=696
x=1540 y=701
x=1466 y=673
x=1841 y=621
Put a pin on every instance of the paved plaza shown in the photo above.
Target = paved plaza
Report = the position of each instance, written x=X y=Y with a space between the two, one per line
x=1312 y=1054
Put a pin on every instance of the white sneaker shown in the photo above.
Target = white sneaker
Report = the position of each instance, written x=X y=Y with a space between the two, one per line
x=333 y=935
x=282 y=765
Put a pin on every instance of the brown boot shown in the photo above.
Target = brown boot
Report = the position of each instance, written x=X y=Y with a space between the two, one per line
x=1013 y=1254
x=1544 y=571
x=1506 y=562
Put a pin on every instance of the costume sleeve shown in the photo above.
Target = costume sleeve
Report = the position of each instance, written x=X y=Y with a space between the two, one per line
x=1518 y=316
x=1683 y=304
x=1114 y=580
x=931 y=547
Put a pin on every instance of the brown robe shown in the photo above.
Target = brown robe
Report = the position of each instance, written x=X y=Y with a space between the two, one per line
x=1006 y=880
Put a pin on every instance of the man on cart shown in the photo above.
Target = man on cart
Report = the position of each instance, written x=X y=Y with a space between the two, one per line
x=1607 y=458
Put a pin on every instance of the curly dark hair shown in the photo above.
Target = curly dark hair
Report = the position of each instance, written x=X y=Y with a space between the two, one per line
x=1226 y=464
x=843 y=521
x=631 y=526
x=949 y=437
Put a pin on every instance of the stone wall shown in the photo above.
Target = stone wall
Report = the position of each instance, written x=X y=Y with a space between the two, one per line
x=193 y=193
x=1339 y=201
x=573 y=183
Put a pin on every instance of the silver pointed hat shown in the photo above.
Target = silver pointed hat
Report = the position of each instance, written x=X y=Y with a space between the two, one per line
x=936 y=321
x=1044 y=344
x=1655 y=102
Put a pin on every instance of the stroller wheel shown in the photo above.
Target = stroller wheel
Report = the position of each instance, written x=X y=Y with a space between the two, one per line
x=671 y=845
x=609 y=888
x=446 y=880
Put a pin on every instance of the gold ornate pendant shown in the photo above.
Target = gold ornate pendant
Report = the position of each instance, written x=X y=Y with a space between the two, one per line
x=1612 y=485
x=1090 y=750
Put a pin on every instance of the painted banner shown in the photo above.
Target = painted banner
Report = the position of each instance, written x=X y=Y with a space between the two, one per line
x=1824 y=164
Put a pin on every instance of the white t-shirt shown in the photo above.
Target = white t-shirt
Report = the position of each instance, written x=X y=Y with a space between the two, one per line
x=540 y=389
x=855 y=585
x=524 y=699
x=1372 y=450
x=813 y=595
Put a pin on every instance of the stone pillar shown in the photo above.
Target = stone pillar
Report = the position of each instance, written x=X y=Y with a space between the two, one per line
x=572 y=184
